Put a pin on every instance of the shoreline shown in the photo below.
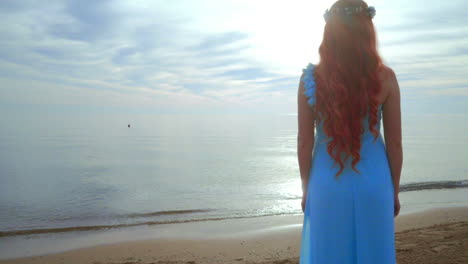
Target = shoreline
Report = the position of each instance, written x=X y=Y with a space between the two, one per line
x=278 y=239
x=413 y=201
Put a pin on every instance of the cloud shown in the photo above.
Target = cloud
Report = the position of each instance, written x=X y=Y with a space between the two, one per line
x=100 y=47
x=457 y=91
x=426 y=47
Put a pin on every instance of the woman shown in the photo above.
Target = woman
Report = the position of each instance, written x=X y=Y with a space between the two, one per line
x=350 y=178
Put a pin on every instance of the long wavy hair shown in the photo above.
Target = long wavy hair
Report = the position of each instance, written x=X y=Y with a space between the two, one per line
x=347 y=82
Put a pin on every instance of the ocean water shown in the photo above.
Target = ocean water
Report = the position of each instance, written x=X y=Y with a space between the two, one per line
x=87 y=172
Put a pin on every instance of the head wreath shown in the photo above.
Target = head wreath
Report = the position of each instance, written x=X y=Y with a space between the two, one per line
x=349 y=11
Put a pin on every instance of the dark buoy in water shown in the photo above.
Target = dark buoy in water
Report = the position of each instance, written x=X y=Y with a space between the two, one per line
x=128 y=125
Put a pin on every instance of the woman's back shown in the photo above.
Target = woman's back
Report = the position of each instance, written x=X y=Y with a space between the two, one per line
x=388 y=100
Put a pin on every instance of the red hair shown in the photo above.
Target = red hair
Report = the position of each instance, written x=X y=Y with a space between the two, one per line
x=347 y=81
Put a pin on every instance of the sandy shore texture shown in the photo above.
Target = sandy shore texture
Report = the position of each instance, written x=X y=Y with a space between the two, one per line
x=434 y=236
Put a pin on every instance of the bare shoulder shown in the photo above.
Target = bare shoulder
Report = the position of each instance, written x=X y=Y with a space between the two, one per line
x=389 y=81
x=386 y=74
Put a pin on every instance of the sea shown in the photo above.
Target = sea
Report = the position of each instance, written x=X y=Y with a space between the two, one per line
x=89 y=172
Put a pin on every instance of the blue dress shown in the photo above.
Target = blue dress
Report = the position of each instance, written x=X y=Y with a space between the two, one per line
x=349 y=219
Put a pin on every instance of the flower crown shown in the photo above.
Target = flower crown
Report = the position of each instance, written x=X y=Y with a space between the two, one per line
x=348 y=11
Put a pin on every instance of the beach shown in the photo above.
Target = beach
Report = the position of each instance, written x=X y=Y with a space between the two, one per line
x=431 y=236
x=219 y=192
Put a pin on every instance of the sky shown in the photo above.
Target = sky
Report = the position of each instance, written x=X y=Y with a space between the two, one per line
x=211 y=56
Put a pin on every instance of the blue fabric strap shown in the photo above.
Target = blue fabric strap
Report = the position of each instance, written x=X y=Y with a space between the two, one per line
x=309 y=83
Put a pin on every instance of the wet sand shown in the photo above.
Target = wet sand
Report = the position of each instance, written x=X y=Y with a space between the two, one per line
x=433 y=236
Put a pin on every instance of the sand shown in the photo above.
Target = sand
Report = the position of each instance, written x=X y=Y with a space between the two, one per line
x=434 y=236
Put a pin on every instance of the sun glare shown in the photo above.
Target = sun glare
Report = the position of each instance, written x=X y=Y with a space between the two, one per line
x=282 y=36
